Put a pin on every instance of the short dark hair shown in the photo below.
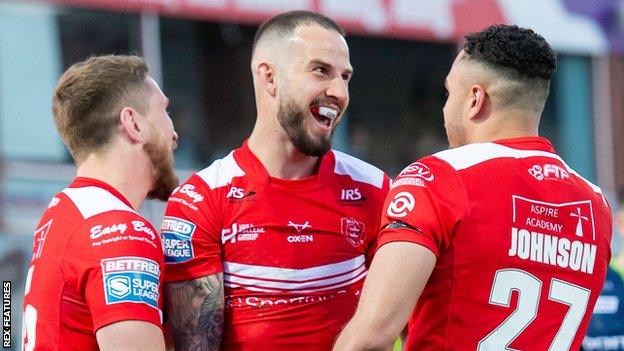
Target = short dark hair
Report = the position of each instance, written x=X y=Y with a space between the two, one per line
x=515 y=50
x=287 y=22
x=89 y=97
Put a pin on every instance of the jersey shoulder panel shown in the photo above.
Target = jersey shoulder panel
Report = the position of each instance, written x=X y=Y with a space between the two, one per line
x=221 y=172
x=473 y=154
x=470 y=155
x=91 y=201
x=358 y=170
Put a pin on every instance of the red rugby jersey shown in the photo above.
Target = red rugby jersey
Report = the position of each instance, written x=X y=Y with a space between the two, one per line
x=522 y=246
x=293 y=252
x=95 y=262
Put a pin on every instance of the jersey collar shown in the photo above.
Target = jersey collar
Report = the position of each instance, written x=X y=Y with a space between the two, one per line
x=248 y=161
x=527 y=143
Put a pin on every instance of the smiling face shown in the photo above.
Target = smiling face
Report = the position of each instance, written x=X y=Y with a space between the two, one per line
x=313 y=92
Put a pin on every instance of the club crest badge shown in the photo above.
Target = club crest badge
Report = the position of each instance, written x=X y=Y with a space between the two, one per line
x=353 y=230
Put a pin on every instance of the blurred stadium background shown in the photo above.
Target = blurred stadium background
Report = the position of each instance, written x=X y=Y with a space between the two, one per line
x=199 y=52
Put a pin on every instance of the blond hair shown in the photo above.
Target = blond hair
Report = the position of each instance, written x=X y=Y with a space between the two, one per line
x=89 y=97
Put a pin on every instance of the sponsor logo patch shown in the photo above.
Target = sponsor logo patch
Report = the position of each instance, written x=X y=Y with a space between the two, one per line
x=351 y=195
x=238 y=193
x=417 y=170
x=299 y=227
x=548 y=172
x=241 y=232
x=555 y=234
x=131 y=279
x=402 y=204
x=353 y=230
x=408 y=181
x=99 y=230
x=187 y=196
x=40 y=236
x=177 y=235
x=189 y=190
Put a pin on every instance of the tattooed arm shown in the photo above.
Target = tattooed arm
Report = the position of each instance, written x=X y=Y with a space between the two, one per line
x=195 y=313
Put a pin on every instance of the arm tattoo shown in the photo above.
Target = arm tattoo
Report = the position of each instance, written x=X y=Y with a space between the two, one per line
x=195 y=312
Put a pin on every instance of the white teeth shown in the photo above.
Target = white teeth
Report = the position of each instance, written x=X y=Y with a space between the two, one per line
x=327 y=112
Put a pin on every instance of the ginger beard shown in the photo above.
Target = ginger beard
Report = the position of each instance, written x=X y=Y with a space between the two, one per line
x=163 y=176
x=293 y=120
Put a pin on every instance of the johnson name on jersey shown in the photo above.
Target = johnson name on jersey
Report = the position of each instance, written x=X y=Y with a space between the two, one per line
x=522 y=246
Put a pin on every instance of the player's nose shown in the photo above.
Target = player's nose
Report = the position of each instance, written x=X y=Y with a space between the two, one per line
x=338 y=88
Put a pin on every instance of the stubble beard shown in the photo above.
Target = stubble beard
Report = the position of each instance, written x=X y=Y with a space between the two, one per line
x=292 y=119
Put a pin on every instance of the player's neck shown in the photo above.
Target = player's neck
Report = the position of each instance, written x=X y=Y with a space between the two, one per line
x=280 y=158
x=506 y=127
x=127 y=175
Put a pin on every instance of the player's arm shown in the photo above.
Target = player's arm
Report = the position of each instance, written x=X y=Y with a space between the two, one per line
x=131 y=336
x=395 y=280
x=195 y=312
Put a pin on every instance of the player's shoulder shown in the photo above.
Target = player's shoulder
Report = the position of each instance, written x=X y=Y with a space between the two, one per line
x=424 y=172
x=470 y=155
x=207 y=182
x=221 y=172
x=91 y=201
x=358 y=170
x=107 y=222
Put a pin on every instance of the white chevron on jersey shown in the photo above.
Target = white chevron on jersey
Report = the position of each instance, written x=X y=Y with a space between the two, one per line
x=91 y=201
x=473 y=154
x=358 y=170
x=221 y=172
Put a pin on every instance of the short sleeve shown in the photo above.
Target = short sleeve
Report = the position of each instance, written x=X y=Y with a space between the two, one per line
x=191 y=232
x=425 y=203
x=119 y=262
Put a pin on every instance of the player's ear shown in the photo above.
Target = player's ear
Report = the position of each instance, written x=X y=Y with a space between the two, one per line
x=479 y=103
x=129 y=124
x=265 y=73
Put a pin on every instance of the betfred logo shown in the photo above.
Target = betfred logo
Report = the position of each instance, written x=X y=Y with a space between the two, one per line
x=353 y=230
x=418 y=170
x=177 y=235
x=131 y=279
